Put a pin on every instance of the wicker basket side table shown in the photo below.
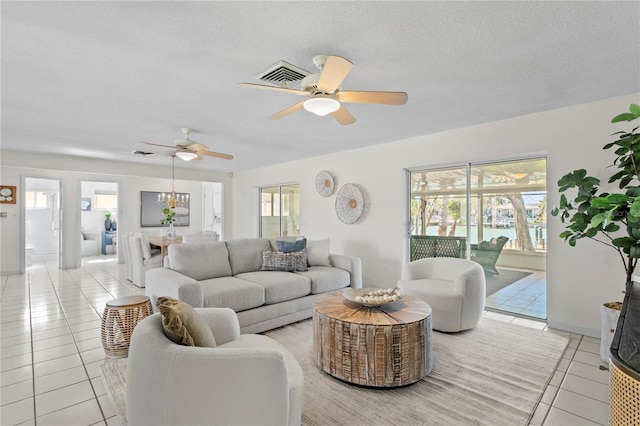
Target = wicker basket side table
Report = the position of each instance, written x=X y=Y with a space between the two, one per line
x=118 y=321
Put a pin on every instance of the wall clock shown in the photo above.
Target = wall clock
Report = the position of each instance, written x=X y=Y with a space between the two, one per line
x=7 y=194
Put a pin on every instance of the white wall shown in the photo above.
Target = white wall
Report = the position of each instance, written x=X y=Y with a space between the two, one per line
x=130 y=178
x=579 y=279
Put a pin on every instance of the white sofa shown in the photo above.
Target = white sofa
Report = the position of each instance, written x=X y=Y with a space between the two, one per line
x=228 y=274
x=143 y=258
x=246 y=379
x=454 y=288
x=200 y=236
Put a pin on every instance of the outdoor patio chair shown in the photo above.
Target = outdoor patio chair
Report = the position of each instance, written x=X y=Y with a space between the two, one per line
x=487 y=253
x=435 y=246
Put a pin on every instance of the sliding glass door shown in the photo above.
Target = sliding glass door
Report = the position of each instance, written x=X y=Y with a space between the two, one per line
x=494 y=214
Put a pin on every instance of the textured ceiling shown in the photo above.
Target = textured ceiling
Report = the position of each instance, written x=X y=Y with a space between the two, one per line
x=94 y=79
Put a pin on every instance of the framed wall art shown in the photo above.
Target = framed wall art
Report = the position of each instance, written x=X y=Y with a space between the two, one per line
x=7 y=194
x=85 y=204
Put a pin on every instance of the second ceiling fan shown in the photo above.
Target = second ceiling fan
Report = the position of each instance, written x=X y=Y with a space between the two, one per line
x=324 y=94
x=188 y=149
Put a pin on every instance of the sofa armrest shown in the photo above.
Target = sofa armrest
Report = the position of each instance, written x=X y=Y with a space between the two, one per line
x=167 y=282
x=351 y=264
x=223 y=323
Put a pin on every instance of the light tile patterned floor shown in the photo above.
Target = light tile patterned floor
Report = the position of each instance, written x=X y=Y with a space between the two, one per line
x=50 y=351
x=527 y=297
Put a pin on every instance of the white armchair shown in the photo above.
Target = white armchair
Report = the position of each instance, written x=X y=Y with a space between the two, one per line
x=142 y=259
x=246 y=379
x=127 y=255
x=454 y=288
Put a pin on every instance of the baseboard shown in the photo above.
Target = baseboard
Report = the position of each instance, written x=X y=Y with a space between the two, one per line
x=573 y=329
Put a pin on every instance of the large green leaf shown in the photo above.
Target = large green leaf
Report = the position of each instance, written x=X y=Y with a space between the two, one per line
x=634 y=251
x=624 y=117
x=623 y=242
x=617 y=198
x=611 y=227
x=600 y=203
x=634 y=210
x=598 y=219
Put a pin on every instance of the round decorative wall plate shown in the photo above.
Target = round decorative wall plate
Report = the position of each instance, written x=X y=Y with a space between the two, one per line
x=325 y=183
x=349 y=203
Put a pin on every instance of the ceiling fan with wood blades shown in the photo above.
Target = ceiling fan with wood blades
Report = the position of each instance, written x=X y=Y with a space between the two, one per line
x=325 y=96
x=188 y=149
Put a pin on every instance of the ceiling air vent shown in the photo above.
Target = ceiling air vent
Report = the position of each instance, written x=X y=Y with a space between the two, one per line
x=143 y=153
x=282 y=72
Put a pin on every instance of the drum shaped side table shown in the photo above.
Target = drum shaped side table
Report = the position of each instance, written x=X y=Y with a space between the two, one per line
x=118 y=321
x=384 y=346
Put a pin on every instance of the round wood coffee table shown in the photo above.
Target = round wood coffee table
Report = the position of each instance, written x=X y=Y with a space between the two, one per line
x=384 y=346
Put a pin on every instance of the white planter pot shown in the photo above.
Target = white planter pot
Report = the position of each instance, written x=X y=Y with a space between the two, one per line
x=609 y=321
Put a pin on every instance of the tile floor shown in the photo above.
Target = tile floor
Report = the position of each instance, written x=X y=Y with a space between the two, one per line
x=51 y=352
x=526 y=297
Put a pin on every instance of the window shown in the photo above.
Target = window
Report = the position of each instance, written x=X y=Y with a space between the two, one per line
x=280 y=211
x=106 y=200
x=36 y=200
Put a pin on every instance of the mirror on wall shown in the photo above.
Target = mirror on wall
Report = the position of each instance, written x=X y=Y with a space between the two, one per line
x=151 y=211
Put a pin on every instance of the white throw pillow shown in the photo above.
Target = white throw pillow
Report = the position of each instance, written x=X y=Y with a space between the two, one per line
x=318 y=252
x=146 y=246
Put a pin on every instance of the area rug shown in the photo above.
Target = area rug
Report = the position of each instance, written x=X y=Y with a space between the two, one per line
x=506 y=277
x=492 y=375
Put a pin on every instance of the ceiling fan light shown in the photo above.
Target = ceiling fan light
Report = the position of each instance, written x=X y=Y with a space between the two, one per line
x=186 y=155
x=321 y=105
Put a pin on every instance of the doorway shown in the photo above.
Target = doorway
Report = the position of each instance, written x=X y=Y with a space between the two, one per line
x=43 y=223
x=212 y=206
x=98 y=218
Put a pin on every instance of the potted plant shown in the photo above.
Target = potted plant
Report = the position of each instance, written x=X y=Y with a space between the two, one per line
x=169 y=219
x=611 y=219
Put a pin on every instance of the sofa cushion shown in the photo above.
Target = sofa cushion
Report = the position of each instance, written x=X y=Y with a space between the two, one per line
x=324 y=278
x=290 y=239
x=279 y=286
x=291 y=246
x=200 y=260
x=183 y=325
x=318 y=253
x=245 y=255
x=231 y=292
x=289 y=262
x=146 y=246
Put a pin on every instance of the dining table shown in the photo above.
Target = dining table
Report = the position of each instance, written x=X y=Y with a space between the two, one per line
x=163 y=243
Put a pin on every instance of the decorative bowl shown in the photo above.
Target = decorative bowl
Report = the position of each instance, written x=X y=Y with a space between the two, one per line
x=372 y=297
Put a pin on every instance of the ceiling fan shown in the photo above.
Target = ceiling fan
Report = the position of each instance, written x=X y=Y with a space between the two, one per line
x=325 y=95
x=188 y=149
